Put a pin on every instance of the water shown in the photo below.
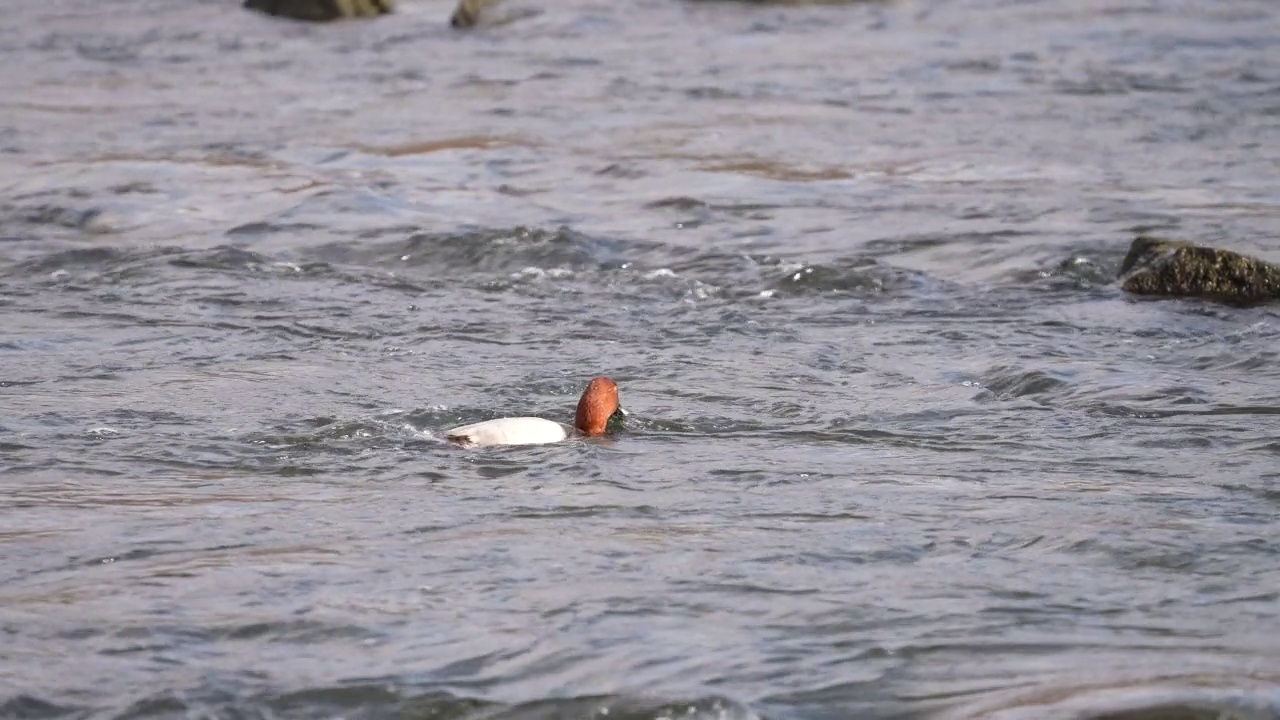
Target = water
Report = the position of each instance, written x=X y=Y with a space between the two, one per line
x=899 y=447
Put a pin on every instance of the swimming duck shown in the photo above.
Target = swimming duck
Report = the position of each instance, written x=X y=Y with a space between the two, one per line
x=599 y=402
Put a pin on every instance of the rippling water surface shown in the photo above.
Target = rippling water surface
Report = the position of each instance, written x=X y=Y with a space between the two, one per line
x=898 y=448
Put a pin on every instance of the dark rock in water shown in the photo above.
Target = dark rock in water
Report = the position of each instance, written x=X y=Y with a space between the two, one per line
x=470 y=13
x=1157 y=266
x=321 y=9
x=467 y=14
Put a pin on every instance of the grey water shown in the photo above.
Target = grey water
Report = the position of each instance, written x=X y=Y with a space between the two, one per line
x=898 y=446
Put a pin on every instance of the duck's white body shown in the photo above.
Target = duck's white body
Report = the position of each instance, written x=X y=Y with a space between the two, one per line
x=510 y=431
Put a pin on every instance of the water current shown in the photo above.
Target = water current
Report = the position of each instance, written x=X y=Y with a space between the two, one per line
x=899 y=447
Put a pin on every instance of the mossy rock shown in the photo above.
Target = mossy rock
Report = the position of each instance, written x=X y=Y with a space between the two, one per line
x=321 y=10
x=1174 y=268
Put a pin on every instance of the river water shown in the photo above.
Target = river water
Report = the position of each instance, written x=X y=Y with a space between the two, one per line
x=899 y=447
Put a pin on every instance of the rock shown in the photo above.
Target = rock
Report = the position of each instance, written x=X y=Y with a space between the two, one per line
x=814 y=2
x=320 y=10
x=1174 y=268
x=468 y=13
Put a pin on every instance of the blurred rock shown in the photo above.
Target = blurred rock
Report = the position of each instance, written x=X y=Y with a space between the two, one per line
x=470 y=13
x=320 y=10
x=1174 y=268
x=809 y=2
x=467 y=14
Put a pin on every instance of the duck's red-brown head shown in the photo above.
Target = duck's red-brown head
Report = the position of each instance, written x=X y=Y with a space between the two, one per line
x=599 y=403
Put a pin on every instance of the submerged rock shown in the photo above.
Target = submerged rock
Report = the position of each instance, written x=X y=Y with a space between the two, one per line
x=1158 y=266
x=320 y=10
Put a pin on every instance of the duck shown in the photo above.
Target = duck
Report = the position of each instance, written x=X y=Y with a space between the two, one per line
x=599 y=402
